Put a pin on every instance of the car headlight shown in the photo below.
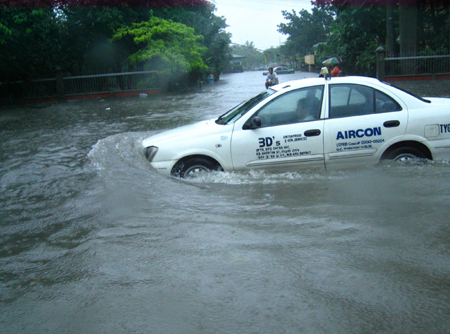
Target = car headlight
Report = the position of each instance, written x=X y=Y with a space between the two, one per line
x=150 y=152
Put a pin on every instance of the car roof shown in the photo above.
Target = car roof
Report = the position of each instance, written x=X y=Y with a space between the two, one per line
x=319 y=81
x=408 y=98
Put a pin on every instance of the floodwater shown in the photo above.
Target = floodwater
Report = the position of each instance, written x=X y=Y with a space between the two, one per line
x=94 y=241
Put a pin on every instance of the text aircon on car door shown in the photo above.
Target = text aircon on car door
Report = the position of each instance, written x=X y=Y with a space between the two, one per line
x=361 y=121
x=286 y=131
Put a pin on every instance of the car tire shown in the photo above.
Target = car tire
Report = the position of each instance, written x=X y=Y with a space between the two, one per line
x=194 y=167
x=406 y=153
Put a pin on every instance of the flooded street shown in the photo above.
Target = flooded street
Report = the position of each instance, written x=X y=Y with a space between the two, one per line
x=94 y=241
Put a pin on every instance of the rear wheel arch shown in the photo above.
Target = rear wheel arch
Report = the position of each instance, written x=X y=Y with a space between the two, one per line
x=418 y=149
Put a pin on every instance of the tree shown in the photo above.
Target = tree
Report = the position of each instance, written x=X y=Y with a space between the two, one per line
x=253 y=56
x=210 y=26
x=167 y=46
x=421 y=24
x=38 y=36
x=434 y=20
x=30 y=43
x=218 y=55
x=305 y=29
x=355 y=35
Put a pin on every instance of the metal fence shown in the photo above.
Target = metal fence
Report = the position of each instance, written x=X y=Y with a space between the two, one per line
x=422 y=65
x=427 y=67
x=69 y=87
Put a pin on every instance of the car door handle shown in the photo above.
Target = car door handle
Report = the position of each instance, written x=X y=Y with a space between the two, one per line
x=391 y=124
x=312 y=133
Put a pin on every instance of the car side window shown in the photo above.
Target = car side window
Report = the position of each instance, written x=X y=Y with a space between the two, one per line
x=301 y=105
x=356 y=100
x=350 y=100
x=385 y=103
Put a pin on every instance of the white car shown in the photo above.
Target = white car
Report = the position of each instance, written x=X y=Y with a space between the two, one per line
x=281 y=70
x=309 y=123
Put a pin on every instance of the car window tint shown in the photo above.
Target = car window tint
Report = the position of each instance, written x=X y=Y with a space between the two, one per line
x=385 y=103
x=351 y=100
x=301 y=105
x=357 y=100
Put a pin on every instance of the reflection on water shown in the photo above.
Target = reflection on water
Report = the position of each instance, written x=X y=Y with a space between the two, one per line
x=93 y=240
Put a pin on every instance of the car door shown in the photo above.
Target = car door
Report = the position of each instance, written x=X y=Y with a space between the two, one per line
x=361 y=121
x=285 y=133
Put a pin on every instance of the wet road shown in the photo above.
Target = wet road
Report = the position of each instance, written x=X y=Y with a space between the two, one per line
x=94 y=241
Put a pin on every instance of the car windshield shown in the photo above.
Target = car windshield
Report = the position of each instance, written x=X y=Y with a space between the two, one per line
x=238 y=111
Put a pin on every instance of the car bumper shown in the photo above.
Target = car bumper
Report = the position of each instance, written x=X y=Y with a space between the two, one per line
x=163 y=167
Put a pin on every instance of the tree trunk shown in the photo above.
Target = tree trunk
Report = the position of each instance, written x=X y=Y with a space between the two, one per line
x=408 y=34
x=390 y=29
x=408 y=28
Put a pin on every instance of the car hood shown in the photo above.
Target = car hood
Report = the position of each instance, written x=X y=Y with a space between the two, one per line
x=190 y=131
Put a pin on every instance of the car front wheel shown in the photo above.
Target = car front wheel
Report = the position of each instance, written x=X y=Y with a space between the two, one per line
x=194 y=167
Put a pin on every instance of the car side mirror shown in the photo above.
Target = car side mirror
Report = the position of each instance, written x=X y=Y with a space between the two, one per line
x=253 y=123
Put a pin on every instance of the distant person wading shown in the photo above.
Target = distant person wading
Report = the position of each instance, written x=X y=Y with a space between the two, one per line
x=271 y=79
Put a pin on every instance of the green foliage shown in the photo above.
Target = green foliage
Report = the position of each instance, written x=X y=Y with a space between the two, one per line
x=171 y=47
x=88 y=31
x=218 y=55
x=280 y=55
x=38 y=37
x=30 y=41
x=305 y=29
x=435 y=25
x=208 y=25
x=4 y=33
x=355 y=35
x=253 y=57
x=354 y=29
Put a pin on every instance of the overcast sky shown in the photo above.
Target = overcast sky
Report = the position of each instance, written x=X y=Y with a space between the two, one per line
x=256 y=20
